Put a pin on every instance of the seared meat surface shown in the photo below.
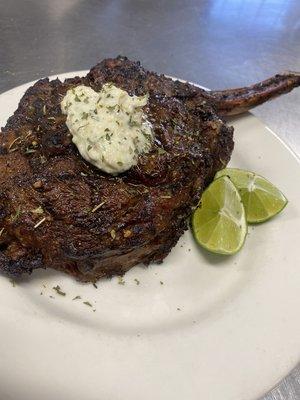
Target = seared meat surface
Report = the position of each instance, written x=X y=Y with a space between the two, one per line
x=58 y=211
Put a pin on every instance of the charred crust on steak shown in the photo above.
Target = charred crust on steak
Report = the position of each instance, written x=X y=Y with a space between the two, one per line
x=41 y=167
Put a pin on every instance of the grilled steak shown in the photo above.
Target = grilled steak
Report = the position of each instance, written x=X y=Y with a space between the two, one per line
x=58 y=211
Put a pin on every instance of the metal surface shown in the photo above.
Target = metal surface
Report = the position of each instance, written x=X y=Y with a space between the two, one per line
x=217 y=43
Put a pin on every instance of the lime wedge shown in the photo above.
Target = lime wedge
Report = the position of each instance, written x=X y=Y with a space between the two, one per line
x=219 y=222
x=261 y=199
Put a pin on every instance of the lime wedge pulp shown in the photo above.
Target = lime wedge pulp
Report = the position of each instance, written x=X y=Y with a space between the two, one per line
x=219 y=222
x=261 y=199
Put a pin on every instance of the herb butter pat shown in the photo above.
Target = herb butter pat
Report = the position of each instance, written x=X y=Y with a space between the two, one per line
x=109 y=128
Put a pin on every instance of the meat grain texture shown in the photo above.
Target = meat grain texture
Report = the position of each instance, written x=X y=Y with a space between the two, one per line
x=58 y=211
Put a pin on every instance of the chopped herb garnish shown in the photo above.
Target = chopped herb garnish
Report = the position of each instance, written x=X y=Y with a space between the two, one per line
x=38 y=210
x=37 y=184
x=14 y=141
x=137 y=281
x=86 y=100
x=161 y=151
x=76 y=298
x=77 y=99
x=59 y=291
x=29 y=134
x=16 y=215
x=29 y=151
x=133 y=123
x=87 y=303
x=43 y=159
x=82 y=126
x=95 y=286
x=98 y=206
x=161 y=282
x=120 y=163
x=85 y=115
x=39 y=223
x=121 y=280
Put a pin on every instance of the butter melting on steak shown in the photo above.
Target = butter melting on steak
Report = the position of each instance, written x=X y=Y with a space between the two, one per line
x=58 y=211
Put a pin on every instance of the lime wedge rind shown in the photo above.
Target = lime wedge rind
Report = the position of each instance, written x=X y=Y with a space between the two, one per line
x=262 y=200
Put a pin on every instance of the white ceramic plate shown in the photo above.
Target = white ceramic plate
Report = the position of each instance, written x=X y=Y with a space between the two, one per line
x=218 y=328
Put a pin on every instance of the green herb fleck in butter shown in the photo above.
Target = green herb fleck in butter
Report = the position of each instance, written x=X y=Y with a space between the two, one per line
x=109 y=128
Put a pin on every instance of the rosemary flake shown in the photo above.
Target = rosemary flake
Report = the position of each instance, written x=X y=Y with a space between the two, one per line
x=58 y=290
x=14 y=141
x=82 y=126
x=38 y=210
x=98 y=206
x=16 y=215
x=161 y=151
x=29 y=151
x=39 y=223
x=121 y=280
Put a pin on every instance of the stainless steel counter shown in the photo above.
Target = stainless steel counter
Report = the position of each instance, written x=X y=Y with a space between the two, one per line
x=217 y=43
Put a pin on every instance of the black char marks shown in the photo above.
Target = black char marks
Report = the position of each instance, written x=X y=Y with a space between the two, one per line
x=58 y=211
